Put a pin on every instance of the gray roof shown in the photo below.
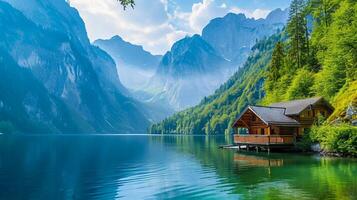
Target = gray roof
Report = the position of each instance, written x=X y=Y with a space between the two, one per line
x=297 y=106
x=273 y=115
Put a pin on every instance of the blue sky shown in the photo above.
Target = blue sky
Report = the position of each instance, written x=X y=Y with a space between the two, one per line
x=246 y=4
x=157 y=24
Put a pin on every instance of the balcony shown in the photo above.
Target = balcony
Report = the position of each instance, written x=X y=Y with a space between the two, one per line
x=264 y=139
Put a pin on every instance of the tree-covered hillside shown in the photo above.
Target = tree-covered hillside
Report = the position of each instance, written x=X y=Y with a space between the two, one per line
x=215 y=113
x=305 y=63
x=320 y=63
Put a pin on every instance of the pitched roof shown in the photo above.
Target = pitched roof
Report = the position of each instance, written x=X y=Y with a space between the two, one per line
x=278 y=113
x=273 y=115
x=297 y=106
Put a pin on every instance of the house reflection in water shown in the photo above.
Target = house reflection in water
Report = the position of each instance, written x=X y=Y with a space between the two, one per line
x=252 y=160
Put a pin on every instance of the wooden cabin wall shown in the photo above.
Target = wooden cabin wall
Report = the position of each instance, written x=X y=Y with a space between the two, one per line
x=282 y=130
x=254 y=124
x=310 y=115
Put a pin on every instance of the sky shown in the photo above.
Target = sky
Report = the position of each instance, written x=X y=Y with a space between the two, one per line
x=157 y=24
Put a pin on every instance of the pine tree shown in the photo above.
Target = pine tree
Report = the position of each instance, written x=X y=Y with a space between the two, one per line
x=277 y=63
x=298 y=34
x=322 y=11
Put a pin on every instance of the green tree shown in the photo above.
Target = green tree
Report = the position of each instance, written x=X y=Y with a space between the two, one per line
x=126 y=3
x=338 y=50
x=322 y=10
x=276 y=65
x=298 y=34
x=301 y=86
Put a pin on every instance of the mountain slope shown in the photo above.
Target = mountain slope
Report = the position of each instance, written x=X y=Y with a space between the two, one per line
x=32 y=109
x=190 y=71
x=215 y=113
x=234 y=35
x=60 y=57
x=196 y=66
x=131 y=60
x=322 y=64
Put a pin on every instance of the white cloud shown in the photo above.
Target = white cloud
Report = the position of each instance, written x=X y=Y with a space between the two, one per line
x=147 y=24
x=153 y=24
x=203 y=12
x=256 y=14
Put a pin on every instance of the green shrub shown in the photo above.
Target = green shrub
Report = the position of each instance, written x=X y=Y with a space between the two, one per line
x=304 y=144
x=336 y=138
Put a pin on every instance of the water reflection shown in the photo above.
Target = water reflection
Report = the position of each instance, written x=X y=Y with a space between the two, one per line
x=163 y=167
x=274 y=176
x=252 y=160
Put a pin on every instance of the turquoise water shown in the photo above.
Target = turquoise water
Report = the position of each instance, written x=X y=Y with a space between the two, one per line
x=163 y=167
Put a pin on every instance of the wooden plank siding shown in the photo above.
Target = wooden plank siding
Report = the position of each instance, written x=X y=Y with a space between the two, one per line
x=279 y=124
x=264 y=139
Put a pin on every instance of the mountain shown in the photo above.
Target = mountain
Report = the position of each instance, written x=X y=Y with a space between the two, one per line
x=234 y=34
x=76 y=86
x=278 y=17
x=215 y=113
x=191 y=70
x=196 y=66
x=323 y=64
x=132 y=61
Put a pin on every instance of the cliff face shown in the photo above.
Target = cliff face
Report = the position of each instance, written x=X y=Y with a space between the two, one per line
x=196 y=66
x=191 y=70
x=234 y=35
x=48 y=40
x=131 y=61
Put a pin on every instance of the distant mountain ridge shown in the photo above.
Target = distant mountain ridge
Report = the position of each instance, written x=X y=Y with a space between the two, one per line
x=190 y=56
x=128 y=53
x=188 y=72
x=196 y=66
x=47 y=39
x=234 y=34
x=131 y=61
x=215 y=113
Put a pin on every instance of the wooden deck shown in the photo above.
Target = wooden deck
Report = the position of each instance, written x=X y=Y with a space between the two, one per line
x=264 y=140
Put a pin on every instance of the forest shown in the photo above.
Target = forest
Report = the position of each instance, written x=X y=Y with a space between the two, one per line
x=315 y=55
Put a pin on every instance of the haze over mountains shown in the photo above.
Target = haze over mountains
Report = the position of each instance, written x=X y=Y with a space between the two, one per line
x=135 y=65
x=60 y=82
x=64 y=84
x=196 y=66
x=234 y=35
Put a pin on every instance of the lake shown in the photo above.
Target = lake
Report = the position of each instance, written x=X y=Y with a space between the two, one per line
x=163 y=167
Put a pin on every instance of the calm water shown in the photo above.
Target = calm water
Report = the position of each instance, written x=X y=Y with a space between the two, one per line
x=169 y=167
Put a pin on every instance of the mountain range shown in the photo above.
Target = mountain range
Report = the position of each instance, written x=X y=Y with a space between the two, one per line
x=286 y=67
x=196 y=66
x=60 y=83
x=215 y=113
x=132 y=60
x=111 y=85
x=234 y=34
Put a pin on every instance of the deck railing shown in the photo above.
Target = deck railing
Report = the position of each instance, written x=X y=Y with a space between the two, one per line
x=263 y=139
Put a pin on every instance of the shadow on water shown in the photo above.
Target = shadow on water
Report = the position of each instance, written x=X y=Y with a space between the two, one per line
x=66 y=167
x=163 y=167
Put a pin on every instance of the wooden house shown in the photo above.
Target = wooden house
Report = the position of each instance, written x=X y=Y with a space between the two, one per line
x=279 y=124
